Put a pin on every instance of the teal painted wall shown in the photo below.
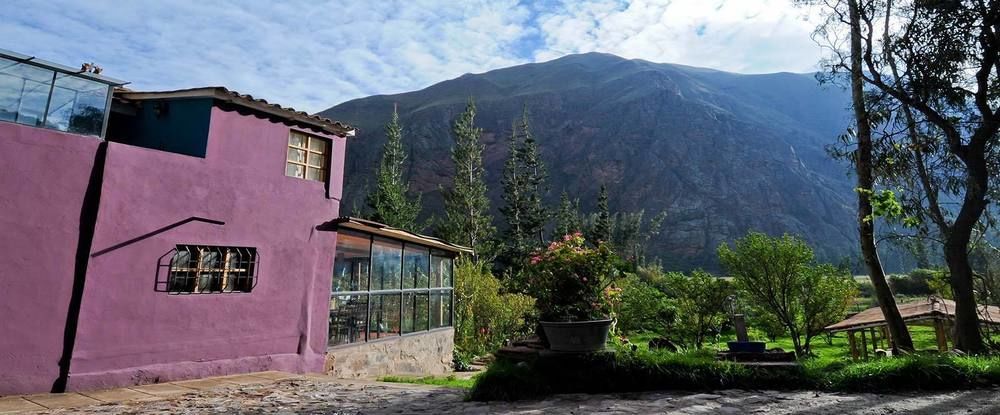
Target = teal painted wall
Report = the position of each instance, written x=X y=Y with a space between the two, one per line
x=177 y=126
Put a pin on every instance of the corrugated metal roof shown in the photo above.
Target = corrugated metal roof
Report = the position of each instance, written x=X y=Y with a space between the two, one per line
x=929 y=308
x=245 y=100
x=380 y=229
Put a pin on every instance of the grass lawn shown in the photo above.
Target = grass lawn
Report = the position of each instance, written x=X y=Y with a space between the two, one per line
x=449 y=381
x=837 y=349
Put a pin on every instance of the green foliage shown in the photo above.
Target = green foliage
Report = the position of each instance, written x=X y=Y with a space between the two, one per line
x=657 y=370
x=940 y=285
x=826 y=293
x=389 y=202
x=485 y=317
x=600 y=230
x=777 y=277
x=643 y=307
x=625 y=372
x=571 y=280
x=701 y=300
x=914 y=284
x=886 y=205
x=629 y=236
x=466 y=205
x=915 y=372
x=568 y=219
x=524 y=187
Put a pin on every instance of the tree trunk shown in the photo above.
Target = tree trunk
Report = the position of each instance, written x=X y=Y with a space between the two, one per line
x=956 y=254
x=866 y=220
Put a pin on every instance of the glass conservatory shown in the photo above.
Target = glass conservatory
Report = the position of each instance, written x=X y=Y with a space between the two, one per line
x=388 y=283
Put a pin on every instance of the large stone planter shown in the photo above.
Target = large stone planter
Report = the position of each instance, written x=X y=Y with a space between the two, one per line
x=576 y=336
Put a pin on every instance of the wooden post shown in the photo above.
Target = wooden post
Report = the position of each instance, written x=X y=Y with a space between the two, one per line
x=864 y=344
x=854 y=344
x=883 y=330
x=874 y=341
x=942 y=341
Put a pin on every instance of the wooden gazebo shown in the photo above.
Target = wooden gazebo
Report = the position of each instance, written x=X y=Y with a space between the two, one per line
x=932 y=311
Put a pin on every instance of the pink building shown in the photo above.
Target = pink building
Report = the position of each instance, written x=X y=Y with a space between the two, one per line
x=157 y=236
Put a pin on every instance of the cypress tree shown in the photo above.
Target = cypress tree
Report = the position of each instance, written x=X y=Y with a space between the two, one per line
x=602 y=224
x=467 y=220
x=567 y=218
x=524 y=187
x=389 y=202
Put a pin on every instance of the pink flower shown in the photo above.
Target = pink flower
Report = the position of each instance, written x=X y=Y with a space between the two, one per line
x=535 y=259
x=584 y=279
x=567 y=237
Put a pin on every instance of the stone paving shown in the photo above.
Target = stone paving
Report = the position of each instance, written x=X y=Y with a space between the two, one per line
x=281 y=393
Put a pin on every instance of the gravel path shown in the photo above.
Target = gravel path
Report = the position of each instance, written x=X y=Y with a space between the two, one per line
x=345 y=397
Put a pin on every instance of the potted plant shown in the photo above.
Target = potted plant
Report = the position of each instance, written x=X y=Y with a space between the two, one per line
x=572 y=284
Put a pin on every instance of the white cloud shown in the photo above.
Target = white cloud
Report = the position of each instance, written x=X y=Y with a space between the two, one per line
x=736 y=35
x=312 y=55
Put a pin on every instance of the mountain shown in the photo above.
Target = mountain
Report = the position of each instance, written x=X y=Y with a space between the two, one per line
x=722 y=153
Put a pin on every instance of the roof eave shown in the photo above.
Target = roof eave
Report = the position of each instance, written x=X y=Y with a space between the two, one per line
x=379 y=229
x=223 y=94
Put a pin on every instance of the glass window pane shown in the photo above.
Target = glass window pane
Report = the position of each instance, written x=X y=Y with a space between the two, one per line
x=295 y=170
x=350 y=267
x=415 y=266
x=386 y=264
x=77 y=106
x=298 y=156
x=437 y=270
x=313 y=173
x=384 y=319
x=440 y=270
x=348 y=316
x=414 y=312
x=317 y=144
x=317 y=160
x=440 y=305
x=296 y=139
x=24 y=90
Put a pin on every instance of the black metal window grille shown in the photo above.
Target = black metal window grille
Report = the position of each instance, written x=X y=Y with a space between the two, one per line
x=308 y=156
x=202 y=269
x=387 y=288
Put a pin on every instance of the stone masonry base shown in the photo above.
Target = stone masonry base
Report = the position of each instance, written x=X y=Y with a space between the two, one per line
x=427 y=353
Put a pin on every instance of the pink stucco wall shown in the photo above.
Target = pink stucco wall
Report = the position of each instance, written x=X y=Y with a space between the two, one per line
x=130 y=333
x=43 y=177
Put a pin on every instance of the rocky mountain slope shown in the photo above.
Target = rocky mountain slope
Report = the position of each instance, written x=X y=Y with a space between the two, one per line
x=722 y=153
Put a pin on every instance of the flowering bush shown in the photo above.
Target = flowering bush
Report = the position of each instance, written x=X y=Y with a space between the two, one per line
x=573 y=282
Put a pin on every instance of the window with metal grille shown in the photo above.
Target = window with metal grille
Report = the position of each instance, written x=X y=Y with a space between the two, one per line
x=308 y=156
x=200 y=269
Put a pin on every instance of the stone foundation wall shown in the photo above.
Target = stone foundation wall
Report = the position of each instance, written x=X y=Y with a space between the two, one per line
x=427 y=353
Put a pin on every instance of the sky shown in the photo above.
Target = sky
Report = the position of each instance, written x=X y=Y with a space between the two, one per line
x=312 y=54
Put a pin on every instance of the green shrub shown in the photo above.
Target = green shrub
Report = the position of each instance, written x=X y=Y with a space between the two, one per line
x=643 y=307
x=917 y=372
x=484 y=316
x=701 y=305
x=698 y=370
x=914 y=284
x=627 y=372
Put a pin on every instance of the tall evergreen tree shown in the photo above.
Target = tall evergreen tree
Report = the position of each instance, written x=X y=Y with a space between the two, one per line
x=567 y=218
x=467 y=219
x=389 y=202
x=601 y=230
x=524 y=187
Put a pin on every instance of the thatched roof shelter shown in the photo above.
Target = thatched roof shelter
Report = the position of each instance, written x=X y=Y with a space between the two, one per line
x=932 y=311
